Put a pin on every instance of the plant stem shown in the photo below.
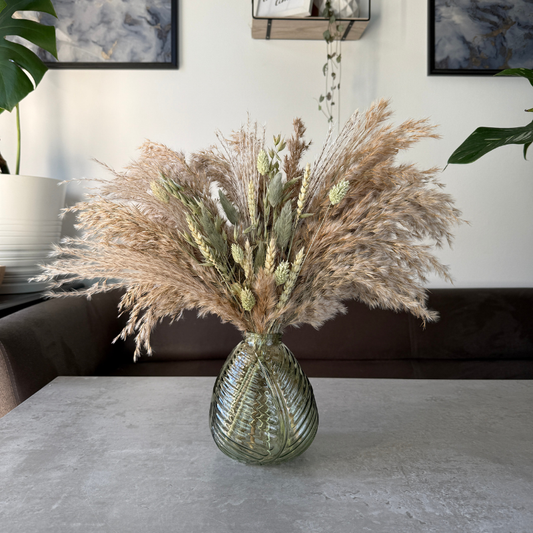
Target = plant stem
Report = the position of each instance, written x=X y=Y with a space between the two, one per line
x=339 y=70
x=17 y=168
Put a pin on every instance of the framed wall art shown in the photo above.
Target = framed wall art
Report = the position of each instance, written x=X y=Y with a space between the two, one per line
x=479 y=37
x=114 y=34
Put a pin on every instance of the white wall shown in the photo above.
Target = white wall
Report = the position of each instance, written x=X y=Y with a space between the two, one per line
x=224 y=74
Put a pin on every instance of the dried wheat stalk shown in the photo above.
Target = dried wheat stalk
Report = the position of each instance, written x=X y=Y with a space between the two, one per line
x=237 y=231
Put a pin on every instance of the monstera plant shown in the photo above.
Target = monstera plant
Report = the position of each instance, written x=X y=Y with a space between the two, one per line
x=29 y=205
x=484 y=140
x=20 y=68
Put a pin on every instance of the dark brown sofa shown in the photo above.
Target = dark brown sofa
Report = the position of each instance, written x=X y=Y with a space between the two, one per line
x=482 y=334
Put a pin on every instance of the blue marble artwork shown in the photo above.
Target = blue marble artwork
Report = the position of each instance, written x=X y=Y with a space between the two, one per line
x=111 y=31
x=483 y=34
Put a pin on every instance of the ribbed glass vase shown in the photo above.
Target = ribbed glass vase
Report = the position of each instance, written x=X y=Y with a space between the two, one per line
x=263 y=409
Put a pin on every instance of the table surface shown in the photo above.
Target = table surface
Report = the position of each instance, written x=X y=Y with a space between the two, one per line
x=128 y=454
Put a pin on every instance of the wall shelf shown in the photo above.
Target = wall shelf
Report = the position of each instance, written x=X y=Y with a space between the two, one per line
x=308 y=28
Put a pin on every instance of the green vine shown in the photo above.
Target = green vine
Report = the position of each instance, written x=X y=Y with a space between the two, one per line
x=332 y=68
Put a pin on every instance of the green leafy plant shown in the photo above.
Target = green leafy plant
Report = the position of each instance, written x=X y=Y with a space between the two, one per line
x=20 y=68
x=332 y=68
x=484 y=140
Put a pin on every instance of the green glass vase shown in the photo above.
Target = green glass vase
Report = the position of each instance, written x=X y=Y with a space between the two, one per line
x=263 y=409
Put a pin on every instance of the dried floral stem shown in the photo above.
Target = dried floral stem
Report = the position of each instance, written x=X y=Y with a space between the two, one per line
x=159 y=231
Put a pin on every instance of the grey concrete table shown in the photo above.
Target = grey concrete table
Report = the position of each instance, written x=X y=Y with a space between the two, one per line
x=135 y=454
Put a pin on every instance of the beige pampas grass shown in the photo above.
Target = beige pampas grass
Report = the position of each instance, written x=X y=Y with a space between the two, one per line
x=159 y=232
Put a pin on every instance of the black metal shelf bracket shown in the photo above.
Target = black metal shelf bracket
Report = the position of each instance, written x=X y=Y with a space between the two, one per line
x=347 y=31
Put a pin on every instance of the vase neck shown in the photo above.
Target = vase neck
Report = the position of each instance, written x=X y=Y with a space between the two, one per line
x=267 y=339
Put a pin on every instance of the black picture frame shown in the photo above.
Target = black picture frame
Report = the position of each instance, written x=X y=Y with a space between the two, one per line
x=447 y=68
x=171 y=64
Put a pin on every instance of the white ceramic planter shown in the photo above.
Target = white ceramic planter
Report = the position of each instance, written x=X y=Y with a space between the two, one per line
x=29 y=225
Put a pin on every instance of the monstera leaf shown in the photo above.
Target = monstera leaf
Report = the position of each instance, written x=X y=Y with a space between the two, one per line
x=20 y=69
x=484 y=140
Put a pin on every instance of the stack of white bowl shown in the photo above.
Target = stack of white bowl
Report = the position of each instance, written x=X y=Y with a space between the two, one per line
x=29 y=225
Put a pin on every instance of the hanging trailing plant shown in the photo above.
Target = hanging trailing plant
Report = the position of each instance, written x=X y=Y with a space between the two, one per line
x=330 y=100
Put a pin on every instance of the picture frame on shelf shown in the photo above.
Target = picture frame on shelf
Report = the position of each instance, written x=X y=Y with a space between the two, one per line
x=114 y=34
x=283 y=8
x=471 y=38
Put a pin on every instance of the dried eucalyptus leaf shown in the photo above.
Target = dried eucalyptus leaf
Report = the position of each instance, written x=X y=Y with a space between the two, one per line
x=275 y=190
x=290 y=183
x=283 y=226
x=229 y=209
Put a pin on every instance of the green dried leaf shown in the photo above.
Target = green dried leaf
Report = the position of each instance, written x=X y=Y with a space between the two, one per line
x=189 y=239
x=214 y=236
x=275 y=190
x=283 y=226
x=290 y=183
x=229 y=208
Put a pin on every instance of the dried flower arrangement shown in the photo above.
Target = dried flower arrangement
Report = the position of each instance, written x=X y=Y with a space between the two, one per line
x=258 y=240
